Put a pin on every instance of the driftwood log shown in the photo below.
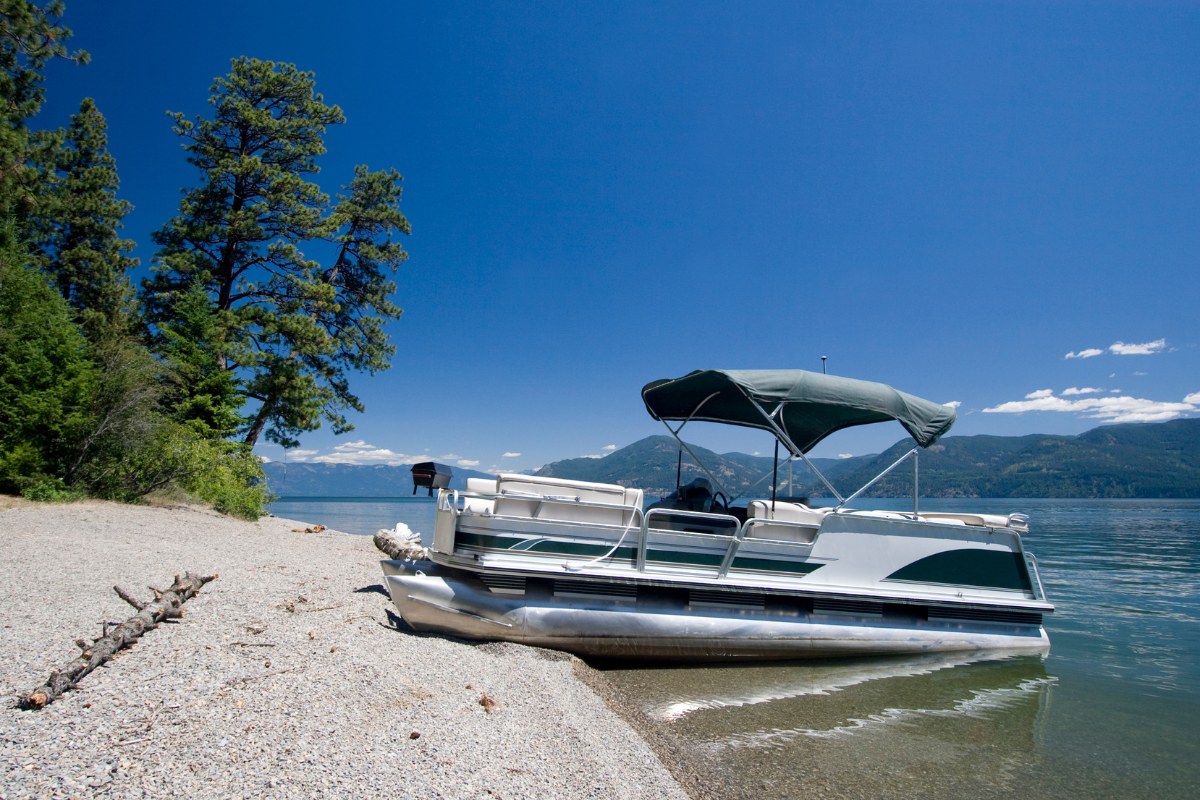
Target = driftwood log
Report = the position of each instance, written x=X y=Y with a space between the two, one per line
x=165 y=605
x=401 y=544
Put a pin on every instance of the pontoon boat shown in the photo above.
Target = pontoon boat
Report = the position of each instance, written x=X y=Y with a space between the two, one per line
x=588 y=568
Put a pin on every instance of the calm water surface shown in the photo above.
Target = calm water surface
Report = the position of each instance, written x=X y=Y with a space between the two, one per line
x=1113 y=711
x=364 y=515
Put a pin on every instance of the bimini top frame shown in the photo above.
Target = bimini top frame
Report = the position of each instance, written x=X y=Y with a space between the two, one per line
x=798 y=407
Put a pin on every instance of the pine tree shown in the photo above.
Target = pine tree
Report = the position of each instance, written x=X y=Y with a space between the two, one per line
x=76 y=233
x=292 y=328
x=47 y=377
x=201 y=393
x=30 y=35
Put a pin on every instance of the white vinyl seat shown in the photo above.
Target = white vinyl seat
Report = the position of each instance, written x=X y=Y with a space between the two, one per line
x=564 y=500
x=798 y=523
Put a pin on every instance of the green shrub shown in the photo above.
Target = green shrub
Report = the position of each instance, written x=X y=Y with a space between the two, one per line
x=48 y=490
x=229 y=476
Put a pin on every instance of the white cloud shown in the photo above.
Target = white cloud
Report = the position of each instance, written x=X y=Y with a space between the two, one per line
x=845 y=455
x=1084 y=390
x=1040 y=394
x=346 y=447
x=356 y=452
x=467 y=462
x=953 y=404
x=1108 y=409
x=1122 y=349
x=608 y=448
x=511 y=454
x=1144 y=349
x=359 y=455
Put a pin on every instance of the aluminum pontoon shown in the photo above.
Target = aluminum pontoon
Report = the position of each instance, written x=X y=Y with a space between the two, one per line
x=585 y=567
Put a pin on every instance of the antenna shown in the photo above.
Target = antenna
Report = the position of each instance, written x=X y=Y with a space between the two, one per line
x=823 y=359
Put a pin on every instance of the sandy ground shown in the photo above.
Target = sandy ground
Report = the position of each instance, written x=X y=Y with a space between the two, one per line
x=288 y=677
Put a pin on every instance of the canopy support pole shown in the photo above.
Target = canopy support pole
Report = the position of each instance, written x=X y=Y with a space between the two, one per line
x=775 y=478
x=781 y=435
x=683 y=444
x=876 y=479
x=916 y=481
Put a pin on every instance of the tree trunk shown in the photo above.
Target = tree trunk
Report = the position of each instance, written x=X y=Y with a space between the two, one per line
x=166 y=605
x=260 y=422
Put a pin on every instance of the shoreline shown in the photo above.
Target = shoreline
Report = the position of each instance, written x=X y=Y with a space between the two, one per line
x=288 y=676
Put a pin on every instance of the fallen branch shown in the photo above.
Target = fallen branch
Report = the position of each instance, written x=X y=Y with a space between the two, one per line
x=166 y=605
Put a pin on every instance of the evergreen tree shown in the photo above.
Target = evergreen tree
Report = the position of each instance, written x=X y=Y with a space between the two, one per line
x=47 y=378
x=77 y=231
x=201 y=392
x=30 y=35
x=291 y=328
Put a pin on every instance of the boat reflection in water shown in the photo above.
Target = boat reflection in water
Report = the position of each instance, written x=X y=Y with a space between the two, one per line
x=884 y=726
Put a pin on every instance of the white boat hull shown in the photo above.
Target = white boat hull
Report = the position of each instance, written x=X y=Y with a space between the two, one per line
x=671 y=627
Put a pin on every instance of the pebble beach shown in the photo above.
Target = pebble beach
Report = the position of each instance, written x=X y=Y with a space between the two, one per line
x=289 y=676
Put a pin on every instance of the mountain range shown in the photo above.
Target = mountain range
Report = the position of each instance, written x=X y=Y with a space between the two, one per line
x=300 y=479
x=1131 y=460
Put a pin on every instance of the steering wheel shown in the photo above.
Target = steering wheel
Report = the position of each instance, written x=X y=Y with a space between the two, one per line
x=719 y=497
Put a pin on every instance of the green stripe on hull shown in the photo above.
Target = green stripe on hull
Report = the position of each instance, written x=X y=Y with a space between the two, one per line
x=985 y=569
x=548 y=547
x=769 y=565
x=628 y=554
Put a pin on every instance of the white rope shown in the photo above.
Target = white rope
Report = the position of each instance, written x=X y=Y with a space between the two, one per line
x=575 y=566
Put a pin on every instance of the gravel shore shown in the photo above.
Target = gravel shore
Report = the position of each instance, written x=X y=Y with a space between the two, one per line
x=286 y=678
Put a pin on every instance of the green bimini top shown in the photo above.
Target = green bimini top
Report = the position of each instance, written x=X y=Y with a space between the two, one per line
x=807 y=406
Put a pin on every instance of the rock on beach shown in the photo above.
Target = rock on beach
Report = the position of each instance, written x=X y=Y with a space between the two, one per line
x=287 y=677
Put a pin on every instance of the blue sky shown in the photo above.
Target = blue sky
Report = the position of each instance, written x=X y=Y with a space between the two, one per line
x=993 y=204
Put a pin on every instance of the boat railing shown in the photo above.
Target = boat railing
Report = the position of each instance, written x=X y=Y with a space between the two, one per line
x=701 y=523
x=681 y=520
x=1031 y=563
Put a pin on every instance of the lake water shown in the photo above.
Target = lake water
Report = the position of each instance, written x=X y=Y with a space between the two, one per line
x=1112 y=711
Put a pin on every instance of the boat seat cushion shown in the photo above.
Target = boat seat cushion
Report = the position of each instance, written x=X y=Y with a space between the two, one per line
x=480 y=505
x=784 y=512
x=565 y=500
x=801 y=523
x=481 y=485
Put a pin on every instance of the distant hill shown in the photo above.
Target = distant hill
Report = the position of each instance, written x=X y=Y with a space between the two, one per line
x=651 y=465
x=1132 y=460
x=297 y=479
